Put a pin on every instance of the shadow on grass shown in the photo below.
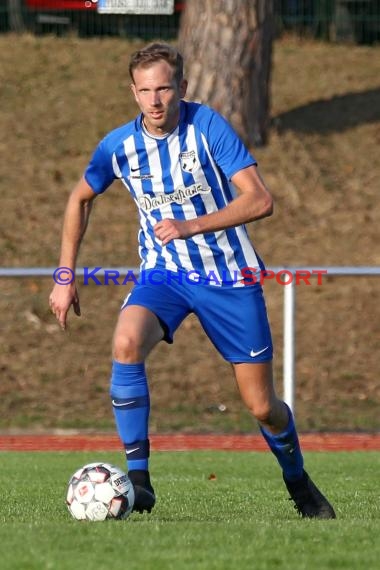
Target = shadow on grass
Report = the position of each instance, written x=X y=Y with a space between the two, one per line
x=332 y=115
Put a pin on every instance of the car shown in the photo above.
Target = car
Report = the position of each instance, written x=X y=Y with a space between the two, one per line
x=94 y=17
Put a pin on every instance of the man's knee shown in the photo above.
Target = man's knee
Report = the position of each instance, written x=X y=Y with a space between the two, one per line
x=126 y=348
x=262 y=411
x=271 y=413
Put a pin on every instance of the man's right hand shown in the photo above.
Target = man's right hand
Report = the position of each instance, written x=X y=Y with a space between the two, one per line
x=60 y=300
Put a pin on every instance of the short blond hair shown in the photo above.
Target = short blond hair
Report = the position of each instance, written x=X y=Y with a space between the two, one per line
x=157 y=52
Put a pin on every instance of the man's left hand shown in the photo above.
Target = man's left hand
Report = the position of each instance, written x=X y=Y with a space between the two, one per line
x=168 y=229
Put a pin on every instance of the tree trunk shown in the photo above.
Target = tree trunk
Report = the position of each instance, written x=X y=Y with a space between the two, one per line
x=227 y=46
x=15 y=16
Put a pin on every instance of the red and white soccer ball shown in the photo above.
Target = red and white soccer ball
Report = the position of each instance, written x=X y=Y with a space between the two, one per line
x=100 y=491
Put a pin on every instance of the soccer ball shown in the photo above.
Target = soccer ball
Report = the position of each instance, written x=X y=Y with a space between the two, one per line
x=100 y=491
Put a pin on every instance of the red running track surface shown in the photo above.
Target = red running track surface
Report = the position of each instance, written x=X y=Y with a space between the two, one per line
x=182 y=442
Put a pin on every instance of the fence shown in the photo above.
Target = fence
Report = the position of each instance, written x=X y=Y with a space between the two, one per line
x=289 y=305
x=334 y=20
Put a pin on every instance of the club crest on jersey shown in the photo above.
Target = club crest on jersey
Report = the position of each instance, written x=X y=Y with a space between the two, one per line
x=188 y=160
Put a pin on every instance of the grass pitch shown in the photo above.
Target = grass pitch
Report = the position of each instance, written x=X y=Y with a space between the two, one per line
x=215 y=510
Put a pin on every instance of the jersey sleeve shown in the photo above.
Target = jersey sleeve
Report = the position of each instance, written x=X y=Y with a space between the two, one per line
x=99 y=173
x=226 y=147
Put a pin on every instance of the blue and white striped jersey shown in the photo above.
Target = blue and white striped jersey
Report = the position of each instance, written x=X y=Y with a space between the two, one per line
x=182 y=175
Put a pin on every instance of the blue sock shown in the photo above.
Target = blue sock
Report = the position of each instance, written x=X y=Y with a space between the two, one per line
x=286 y=448
x=131 y=406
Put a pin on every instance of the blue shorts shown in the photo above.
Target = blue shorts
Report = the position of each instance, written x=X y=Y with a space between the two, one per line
x=234 y=318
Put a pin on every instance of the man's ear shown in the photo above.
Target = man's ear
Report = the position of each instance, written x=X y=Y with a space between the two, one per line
x=183 y=87
x=133 y=89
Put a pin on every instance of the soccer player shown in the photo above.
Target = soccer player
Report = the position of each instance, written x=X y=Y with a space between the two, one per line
x=181 y=162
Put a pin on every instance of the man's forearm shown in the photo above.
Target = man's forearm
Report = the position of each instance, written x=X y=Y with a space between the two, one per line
x=74 y=227
x=240 y=211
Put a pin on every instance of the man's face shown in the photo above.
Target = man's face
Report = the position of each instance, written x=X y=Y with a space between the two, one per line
x=158 y=95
